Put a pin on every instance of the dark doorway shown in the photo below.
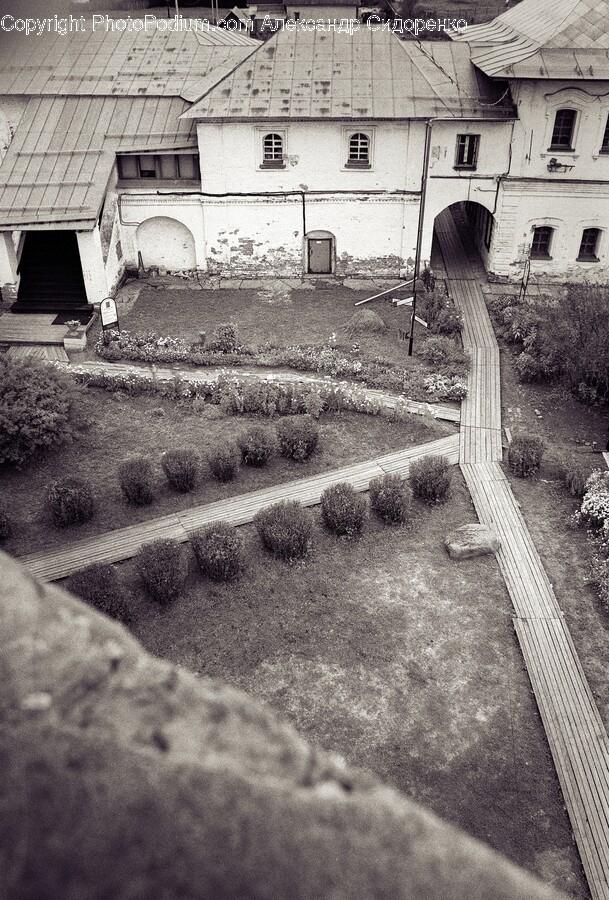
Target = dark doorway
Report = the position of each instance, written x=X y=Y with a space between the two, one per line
x=320 y=256
x=51 y=273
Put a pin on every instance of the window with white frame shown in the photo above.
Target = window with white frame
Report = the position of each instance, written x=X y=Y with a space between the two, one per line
x=359 y=151
x=588 y=248
x=542 y=242
x=273 y=151
x=466 y=154
x=563 y=130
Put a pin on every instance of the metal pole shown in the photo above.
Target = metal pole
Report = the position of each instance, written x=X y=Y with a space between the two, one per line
x=417 y=256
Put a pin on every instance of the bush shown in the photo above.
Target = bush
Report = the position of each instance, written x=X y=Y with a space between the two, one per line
x=343 y=509
x=39 y=409
x=226 y=337
x=6 y=526
x=181 y=468
x=524 y=455
x=136 y=480
x=430 y=479
x=285 y=529
x=161 y=567
x=223 y=461
x=390 y=499
x=100 y=586
x=298 y=437
x=218 y=549
x=575 y=481
x=70 y=501
x=257 y=445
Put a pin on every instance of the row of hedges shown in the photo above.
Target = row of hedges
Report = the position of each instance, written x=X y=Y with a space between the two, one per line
x=285 y=529
x=564 y=341
x=264 y=396
x=71 y=500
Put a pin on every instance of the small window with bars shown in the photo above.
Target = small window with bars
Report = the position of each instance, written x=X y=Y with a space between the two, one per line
x=564 y=128
x=542 y=241
x=358 y=156
x=588 y=249
x=466 y=156
x=272 y=151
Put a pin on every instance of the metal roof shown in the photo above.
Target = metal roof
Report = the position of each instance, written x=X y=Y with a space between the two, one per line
x=320 y=74
x=150 y=62
x=564 y=39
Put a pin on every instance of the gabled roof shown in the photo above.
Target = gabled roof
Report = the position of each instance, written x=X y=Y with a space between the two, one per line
x=319 y=74
x=58 y=164
x=564 y=39
x=149 y=62
x=90 y=95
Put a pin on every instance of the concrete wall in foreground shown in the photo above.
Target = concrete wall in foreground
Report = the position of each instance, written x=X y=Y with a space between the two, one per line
x=125 y=777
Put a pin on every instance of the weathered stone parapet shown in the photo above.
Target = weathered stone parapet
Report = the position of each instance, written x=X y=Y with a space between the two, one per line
x=125 y=777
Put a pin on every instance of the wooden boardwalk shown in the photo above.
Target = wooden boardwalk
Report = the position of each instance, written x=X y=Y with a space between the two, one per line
x=125 y=542
x=29 y=328
x=481 y=409
x=576 y=734
x=46 y=352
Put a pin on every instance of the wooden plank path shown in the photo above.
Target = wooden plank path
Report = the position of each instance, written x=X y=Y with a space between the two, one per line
x=124 y=543
x=29 y=328
x=46 y=352
x=436 y=410
x=481 y=409
x=576 y=734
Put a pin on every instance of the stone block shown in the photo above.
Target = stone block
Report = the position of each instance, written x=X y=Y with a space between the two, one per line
x=471 y=540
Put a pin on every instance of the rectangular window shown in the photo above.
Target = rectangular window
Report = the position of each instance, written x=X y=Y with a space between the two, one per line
x=540 y=247
x=466 y=156
x=589 y=245
x=605 y=144
x=160 y=167
x=562 y=133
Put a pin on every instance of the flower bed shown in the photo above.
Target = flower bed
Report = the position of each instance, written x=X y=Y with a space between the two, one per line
x=449 y=384
x=594 y=514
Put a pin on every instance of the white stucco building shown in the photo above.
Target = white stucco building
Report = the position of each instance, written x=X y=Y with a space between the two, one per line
x=303 y=155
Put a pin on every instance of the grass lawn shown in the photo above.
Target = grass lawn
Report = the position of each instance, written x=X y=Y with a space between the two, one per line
x=304 y=317
x=124 y=426
x=405 y=662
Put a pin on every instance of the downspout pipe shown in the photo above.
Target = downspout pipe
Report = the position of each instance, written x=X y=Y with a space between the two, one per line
x=417 y=256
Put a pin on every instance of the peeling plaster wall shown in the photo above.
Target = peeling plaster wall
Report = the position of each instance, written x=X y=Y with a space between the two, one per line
x=246 y=236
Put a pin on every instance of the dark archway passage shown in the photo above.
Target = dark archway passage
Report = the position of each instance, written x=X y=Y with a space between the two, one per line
x=51 y=273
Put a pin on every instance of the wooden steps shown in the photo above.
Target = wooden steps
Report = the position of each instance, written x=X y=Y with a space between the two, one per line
x=125 y=542
x=31 y=329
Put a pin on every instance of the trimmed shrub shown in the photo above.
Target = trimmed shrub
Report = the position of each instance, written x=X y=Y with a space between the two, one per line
x=181 y=468
x=524 y=455
x=430 y=479
x=39 y=409
x=6 y=526
x=223 y=461
x=99 y=585
x=285 y=529
x=136 y=480
x=257 y=445
x=226 y=337
x=575 y=481
x=218 y=549
x=161 y=567
x=298 y=437
x=343 y=509
x=390 y=498
x=70 y=501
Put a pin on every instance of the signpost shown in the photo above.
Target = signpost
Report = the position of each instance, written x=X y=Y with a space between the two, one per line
x=109 y=317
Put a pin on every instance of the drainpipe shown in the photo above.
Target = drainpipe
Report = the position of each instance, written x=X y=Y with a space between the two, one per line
x=417 y=256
